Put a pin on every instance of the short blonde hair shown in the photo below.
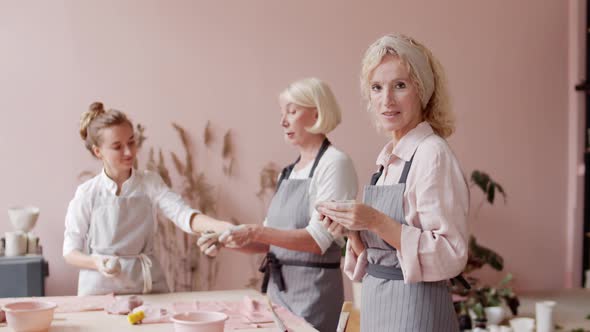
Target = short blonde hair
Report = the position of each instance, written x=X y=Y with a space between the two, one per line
x=313 y=92
x=96 y=119
x=437 y=107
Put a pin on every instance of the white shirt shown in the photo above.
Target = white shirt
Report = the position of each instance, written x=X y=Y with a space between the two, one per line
x=334 y=179
x=114 y=218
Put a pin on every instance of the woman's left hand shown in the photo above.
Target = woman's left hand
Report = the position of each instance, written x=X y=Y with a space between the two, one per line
x=240 y=236
x=352 y=215
x=336 y=229
x=208 y=243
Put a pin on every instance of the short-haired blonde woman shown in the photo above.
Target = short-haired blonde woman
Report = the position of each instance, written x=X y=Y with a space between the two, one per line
x=410 y=234
x=110 y=222
x=302 y=266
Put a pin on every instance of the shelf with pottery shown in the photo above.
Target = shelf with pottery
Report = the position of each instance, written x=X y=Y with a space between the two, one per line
x=21 y=242
x=101 y=321
x=22 y=267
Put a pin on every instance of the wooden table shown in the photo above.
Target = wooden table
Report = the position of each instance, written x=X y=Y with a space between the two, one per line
x=101 y=321
x=353 y=323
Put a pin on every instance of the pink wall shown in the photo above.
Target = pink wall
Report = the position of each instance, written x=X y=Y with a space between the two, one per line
x=190 y=62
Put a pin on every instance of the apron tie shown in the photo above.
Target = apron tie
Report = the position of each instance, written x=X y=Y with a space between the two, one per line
x=272 y=266
x=146 y=270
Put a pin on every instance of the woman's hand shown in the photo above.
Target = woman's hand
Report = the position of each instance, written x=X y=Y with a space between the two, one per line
x=208 y=243
x=336 y=229
x=352 y=215
x=240 y=236
x=108 y=266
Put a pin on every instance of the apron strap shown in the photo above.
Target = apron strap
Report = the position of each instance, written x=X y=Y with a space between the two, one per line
x=385 y=272
x=287 y=170
x=272 y=266
x=325 y=145
x=404 y=176
x=375 y=177
x=395 y=273
x=402 y=179
x=335 y=265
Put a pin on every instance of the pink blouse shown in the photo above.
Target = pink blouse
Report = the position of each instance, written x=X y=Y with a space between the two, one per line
x=436 y=202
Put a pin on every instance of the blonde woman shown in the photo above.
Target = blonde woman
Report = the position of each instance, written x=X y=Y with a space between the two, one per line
x=302 y=265
x=409 y=236
x=110 y=222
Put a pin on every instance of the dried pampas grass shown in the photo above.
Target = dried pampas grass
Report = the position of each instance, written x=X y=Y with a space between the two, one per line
x=227 y=154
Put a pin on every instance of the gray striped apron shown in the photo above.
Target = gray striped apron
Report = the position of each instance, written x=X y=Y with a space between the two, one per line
x=307 y=284
x=387 y=303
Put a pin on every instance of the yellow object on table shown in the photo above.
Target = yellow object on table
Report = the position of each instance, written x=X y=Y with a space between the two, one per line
x=136 y=317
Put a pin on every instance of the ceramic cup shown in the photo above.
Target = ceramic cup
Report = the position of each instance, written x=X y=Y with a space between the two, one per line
x=544 y=316
x=32 y=244
x=16 y=243
x=522 y=324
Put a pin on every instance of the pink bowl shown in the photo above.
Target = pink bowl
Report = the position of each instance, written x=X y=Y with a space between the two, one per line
x=199 y=321
x=29 y=316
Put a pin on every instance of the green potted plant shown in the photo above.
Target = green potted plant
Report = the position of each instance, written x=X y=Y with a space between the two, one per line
x=485 y=302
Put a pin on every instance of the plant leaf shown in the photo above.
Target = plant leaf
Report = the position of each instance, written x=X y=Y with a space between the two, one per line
x=227 y=145
x=140 y=136
x=163 y=171
x=268 y=179
x=207 y=135
x=151 y=164
x=177 y=163
x=478 y=310
x=505 y=280
x=227 y=154
x=482 y=255
x=501 y=191
x=491 y=192
x=480 y=179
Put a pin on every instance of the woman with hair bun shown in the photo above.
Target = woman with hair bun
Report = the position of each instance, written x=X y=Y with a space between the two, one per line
x=110 y=223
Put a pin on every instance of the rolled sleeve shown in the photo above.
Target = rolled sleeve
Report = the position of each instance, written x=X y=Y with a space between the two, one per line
x=171 y=204
x=434 y=243
x=355 y=267
x=319 y=233
x=77 y=223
